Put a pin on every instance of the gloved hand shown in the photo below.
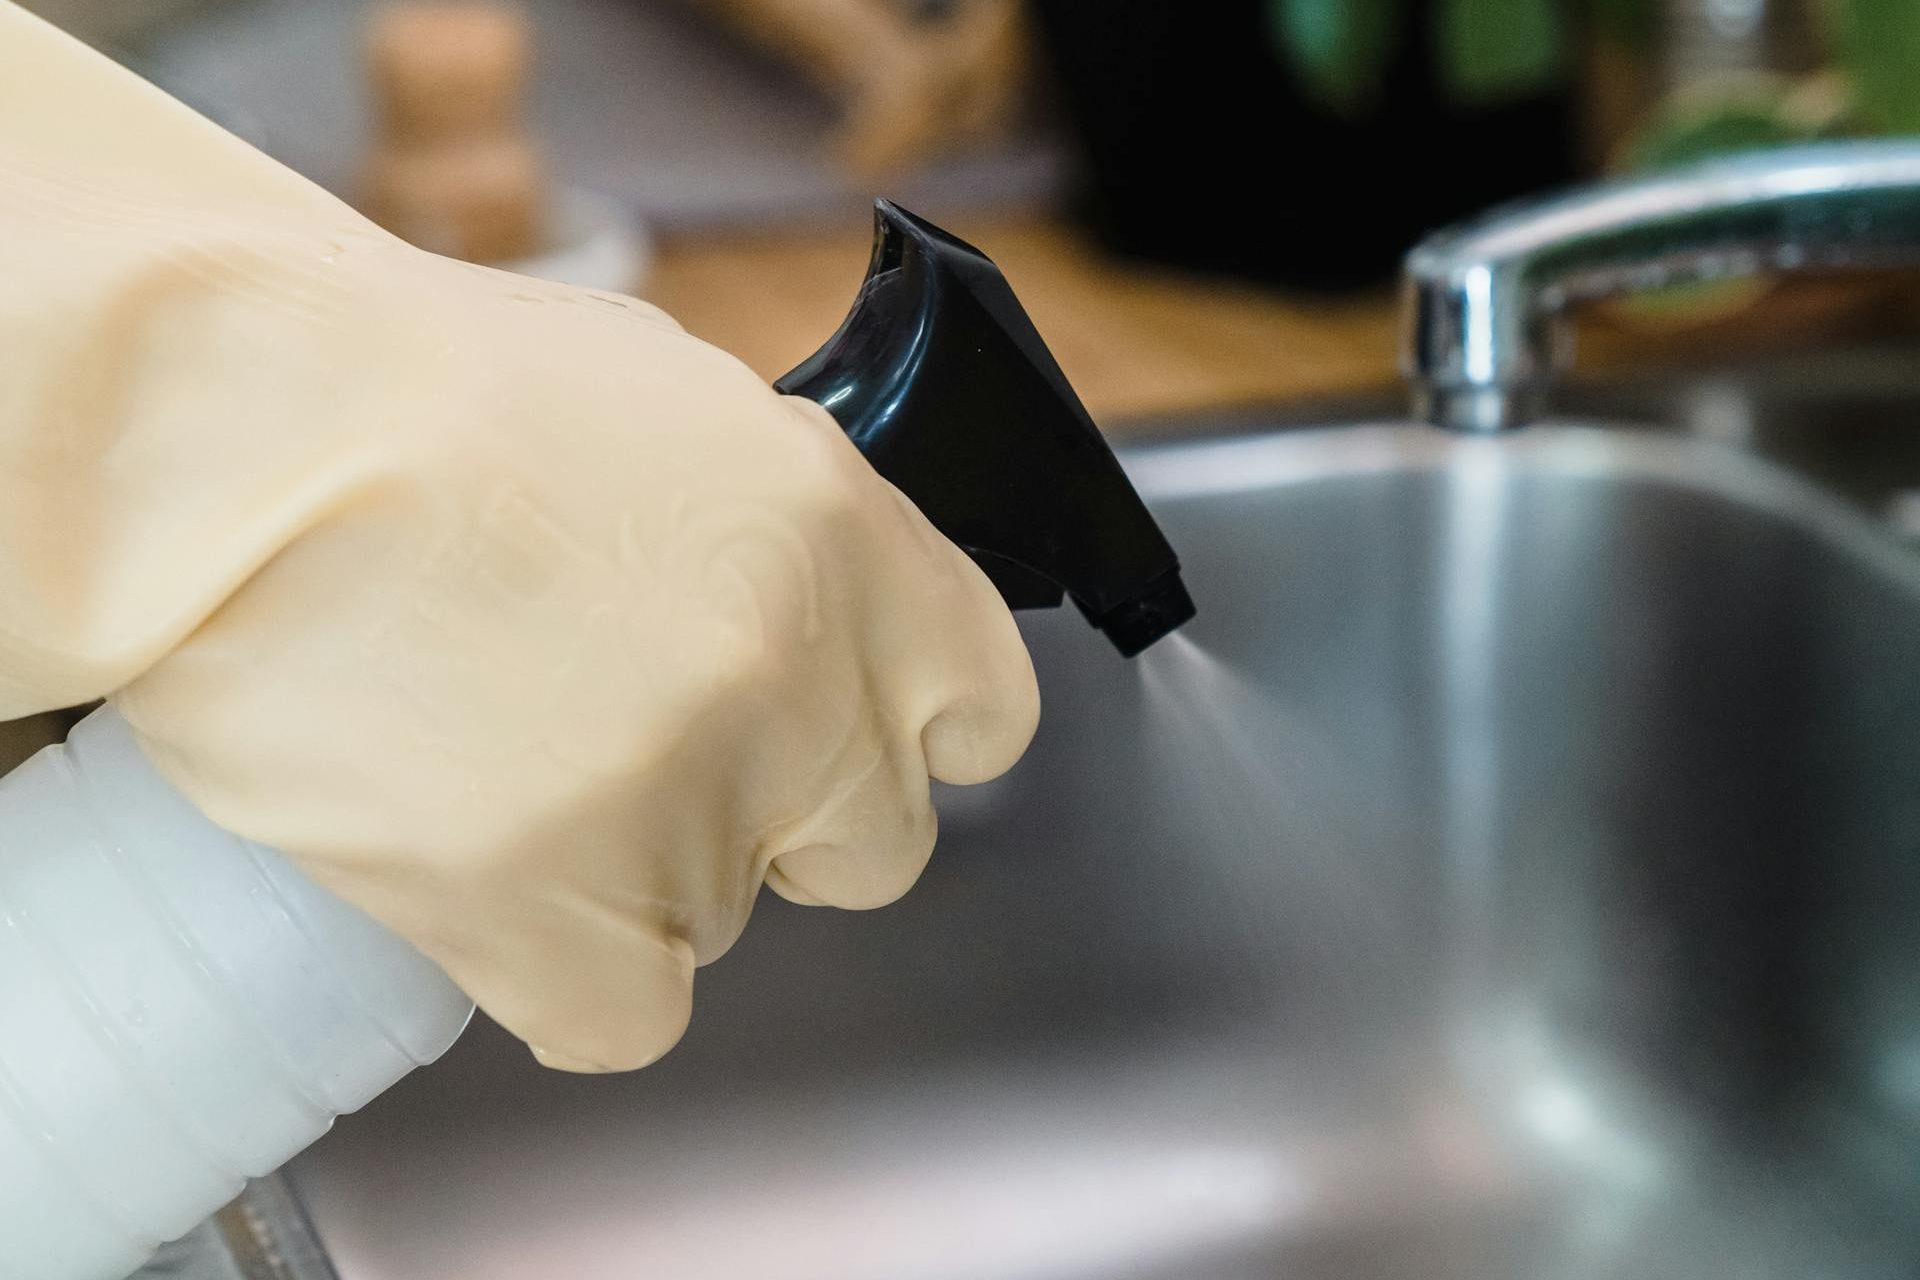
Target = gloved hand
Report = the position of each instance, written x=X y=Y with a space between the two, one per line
x=531 y=625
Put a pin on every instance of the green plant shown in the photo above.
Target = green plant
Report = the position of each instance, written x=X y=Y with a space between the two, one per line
x=1485 y=51
x=1338 y=47
x=1877 y=43
x=1488 y=51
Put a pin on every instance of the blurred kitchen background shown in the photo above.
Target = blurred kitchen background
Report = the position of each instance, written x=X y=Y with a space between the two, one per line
x=1202 y=204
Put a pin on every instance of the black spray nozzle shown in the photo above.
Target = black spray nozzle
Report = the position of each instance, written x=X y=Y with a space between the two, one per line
x=943 y=383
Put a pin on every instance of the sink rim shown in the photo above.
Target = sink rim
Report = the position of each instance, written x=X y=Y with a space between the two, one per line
x=1222 y=466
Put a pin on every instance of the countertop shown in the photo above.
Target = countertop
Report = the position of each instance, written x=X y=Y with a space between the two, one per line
x=1137 y=341
x=1146 y=345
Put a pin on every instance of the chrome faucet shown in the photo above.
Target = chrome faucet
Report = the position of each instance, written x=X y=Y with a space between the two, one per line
x=1485 y=300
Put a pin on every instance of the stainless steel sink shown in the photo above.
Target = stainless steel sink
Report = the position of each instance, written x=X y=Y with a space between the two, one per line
x=263 y=1235
x=1524 y=883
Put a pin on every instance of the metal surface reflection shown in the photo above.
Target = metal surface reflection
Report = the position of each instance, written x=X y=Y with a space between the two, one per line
x=1484 y=300
x=1519 y=875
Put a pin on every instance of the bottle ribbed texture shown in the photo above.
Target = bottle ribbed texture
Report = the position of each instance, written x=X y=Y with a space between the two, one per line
x=180 y=1010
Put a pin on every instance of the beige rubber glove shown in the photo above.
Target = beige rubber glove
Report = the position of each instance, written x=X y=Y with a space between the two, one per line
x=516 y=616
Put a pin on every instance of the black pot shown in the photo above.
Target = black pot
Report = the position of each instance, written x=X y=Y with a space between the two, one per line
x=1204 y=150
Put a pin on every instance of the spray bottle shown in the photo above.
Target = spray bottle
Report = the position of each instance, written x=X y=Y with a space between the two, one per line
x=182 y=1010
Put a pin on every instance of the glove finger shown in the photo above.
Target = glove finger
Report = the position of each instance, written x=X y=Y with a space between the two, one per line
x=869 y=841
x=986 y=703
x=587 y=991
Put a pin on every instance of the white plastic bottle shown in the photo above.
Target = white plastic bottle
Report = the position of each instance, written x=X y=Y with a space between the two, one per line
x=180 y=1010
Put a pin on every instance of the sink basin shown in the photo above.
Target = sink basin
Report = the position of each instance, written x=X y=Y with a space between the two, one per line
x=1516 y=875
